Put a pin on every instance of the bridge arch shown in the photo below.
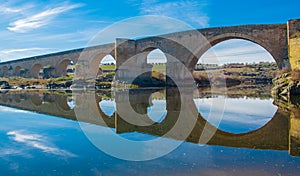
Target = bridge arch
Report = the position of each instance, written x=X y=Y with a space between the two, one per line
x=88 y=65
x=228 y=36
x=94 y=65
x=158 y=60
x=61 y=68
x=167 y=46
x=177 y=56
x=35 y=70
x=4 y=71
x=17 y=71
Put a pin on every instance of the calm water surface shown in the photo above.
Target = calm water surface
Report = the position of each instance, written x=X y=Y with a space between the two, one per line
x=39 y=136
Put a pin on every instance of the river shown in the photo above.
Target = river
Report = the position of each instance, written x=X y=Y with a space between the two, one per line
x=146 y=132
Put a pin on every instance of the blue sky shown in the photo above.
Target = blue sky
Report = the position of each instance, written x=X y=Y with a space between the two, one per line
x=29 y=28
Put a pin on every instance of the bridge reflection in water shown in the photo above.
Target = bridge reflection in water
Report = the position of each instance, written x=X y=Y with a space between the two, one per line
x=280 y=133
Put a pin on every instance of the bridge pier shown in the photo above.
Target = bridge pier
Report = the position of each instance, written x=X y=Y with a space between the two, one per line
x=131 y=66
x=294 y=43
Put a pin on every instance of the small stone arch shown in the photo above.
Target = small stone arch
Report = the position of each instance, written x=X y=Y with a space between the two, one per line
x=35 y=70
x=4 y=71
x=17 y=71
x=61 y=68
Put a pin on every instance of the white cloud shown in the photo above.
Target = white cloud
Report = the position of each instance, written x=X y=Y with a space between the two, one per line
x=12 y=110
x=189 y=11
x=39 y=142
x=10 y=54
x=9 y=10
x=8 y=51
x=7 y=152
x=39 y=19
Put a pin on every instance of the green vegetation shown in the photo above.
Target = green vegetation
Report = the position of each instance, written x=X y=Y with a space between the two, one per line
x=159 y=67
x=241 y=75
x=61 y=79
x=236 y=74
x=108 y=67
x=15 y=82
x=47 y=67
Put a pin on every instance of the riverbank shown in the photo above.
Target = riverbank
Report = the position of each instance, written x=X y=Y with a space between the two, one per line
x=287 y=84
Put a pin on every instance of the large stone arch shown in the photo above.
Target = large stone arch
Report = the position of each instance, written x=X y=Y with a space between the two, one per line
x=131 y=51
x=35 y=70
x=277 y=56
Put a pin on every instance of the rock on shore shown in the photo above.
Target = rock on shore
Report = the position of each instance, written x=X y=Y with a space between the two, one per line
x=285 y=86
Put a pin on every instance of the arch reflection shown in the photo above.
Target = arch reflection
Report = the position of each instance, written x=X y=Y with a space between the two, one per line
x=241 y=115
x=273 y=134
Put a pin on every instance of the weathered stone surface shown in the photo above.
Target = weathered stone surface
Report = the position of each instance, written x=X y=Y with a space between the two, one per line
x=294 y=43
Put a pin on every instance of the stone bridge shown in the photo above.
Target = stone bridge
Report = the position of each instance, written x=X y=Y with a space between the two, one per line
x=274 y=135
x=280 y=40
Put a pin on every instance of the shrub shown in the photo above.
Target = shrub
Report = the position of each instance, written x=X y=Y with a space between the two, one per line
x=283 y=71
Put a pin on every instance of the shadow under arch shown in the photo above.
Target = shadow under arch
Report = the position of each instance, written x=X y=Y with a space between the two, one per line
x=4 y=71
x=228 y=36
x=61 y=68
x=35 y=70
x=17 y=71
